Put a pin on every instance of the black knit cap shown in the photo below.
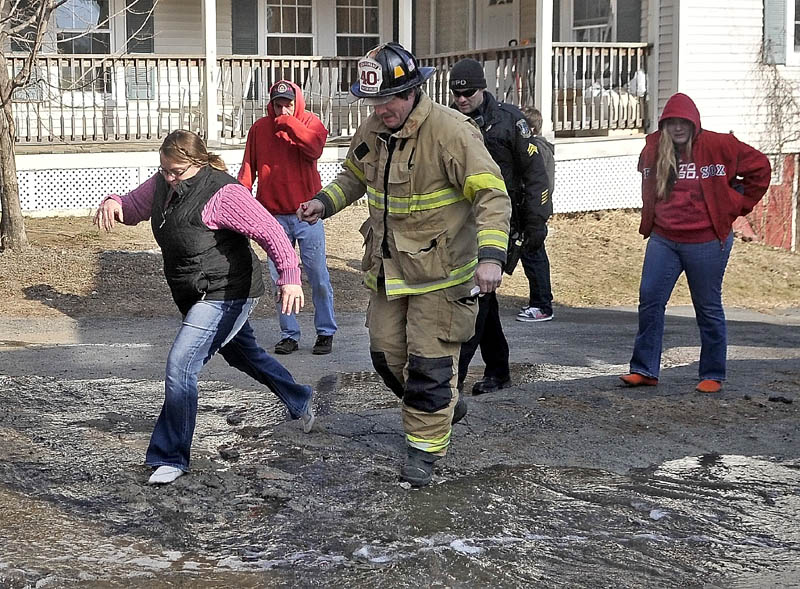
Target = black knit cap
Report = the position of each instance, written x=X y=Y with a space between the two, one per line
x=465 y=74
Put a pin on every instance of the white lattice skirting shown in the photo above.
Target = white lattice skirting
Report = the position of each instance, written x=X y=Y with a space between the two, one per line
x=75 y=183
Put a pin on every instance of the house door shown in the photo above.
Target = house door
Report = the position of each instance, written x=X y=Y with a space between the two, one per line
x=497 y=23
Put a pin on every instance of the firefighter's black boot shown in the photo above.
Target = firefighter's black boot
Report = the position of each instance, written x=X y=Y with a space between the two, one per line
x=460 y=410
x=418 y=469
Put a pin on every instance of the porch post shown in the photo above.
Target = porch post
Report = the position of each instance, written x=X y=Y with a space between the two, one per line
x=543 y=90
x=211 y=79
x=404 y=25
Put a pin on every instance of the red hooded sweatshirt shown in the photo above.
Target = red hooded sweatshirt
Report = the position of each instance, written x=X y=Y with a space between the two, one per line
x=733 y=176
x=282 y=152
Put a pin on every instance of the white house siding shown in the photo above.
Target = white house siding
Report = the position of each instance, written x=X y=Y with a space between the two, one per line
x=179 y=27
x=721 y=69
x=224 y=24
x=667 y=49
x=719 y=51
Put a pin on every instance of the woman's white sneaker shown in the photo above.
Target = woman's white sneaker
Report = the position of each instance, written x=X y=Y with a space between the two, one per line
x=164 y=475
x=533 y=315
x=308 y=419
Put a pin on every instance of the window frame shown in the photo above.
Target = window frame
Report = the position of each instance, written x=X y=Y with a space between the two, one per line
x=567 y=19
x=75 y=32
x=365 y=35
x=267 y=4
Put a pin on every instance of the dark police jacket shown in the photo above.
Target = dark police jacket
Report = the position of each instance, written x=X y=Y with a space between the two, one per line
x=511 y=144
x=200 y=263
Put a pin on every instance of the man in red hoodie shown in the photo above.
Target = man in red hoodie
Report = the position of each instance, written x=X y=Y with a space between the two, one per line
x=282 y=152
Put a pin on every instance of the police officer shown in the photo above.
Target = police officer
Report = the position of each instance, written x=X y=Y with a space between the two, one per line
x=509 y=140
x=436 y=235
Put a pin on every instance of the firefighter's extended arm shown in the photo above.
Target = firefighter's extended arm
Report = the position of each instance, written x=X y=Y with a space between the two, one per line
x=349 y=185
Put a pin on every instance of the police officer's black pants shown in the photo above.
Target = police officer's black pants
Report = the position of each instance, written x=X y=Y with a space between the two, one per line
x=491 y=339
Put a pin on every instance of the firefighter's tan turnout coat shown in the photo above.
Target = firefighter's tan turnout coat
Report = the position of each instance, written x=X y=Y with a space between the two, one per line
x=437 y=206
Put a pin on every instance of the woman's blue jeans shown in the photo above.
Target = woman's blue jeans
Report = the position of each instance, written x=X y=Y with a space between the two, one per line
x=311 y=239
x=704 y=264
x=208 y=327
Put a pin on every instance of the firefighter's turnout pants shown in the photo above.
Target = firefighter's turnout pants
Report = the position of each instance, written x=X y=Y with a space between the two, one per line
x=415 y=343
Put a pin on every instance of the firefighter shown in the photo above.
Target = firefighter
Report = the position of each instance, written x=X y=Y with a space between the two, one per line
x=436 y=236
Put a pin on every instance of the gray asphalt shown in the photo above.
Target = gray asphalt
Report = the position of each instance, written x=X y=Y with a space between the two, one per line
x=597 y=340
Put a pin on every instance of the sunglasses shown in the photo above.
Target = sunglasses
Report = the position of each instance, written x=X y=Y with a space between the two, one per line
x=464 y=93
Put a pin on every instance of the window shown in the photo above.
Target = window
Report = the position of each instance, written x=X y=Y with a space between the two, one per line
x=83 y=27
x=139 y=29
x=289 y=27
x=782 y=32
x=244 y=27
x=25 y=16
x=140 y=82
x=356 y=27
x=592 y=21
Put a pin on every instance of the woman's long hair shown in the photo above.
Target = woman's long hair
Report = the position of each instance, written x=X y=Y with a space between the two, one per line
x=667 y=164
x=182 y=145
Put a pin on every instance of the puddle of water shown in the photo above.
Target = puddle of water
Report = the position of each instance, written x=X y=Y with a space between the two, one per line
x=74 y=509
x=686 y=519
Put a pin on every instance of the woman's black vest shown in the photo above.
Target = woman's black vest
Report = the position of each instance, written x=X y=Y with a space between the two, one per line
x=200 y=263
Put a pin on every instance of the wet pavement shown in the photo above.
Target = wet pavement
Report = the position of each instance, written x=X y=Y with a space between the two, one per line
x=564 y=480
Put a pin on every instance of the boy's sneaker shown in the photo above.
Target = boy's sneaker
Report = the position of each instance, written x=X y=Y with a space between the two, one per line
x=286 y=346
x=533 y=315
x=323 y=345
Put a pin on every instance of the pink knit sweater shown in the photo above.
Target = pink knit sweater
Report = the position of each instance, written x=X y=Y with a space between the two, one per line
x=232 y=208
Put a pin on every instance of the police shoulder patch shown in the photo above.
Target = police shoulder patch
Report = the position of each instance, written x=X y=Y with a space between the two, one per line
x=523 y=128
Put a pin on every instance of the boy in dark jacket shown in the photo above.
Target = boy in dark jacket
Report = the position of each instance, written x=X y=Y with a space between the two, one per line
x=534 y=259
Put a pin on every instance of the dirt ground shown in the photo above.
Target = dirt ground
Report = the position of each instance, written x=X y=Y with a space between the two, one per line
x=74 y=269
x=562 y=480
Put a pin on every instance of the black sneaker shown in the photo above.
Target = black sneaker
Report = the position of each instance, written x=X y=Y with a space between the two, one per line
x=490 y=384
x=324 y=345
x=286 y=346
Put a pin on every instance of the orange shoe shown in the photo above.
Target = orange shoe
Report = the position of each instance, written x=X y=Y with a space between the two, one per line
x=638 y=380
x=709 y=386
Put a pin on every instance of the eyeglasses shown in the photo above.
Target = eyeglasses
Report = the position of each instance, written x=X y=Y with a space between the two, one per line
x=174 y=173
x=464 y=93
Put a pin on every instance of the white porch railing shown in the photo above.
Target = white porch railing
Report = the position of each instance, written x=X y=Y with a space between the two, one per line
x=72 y=99
x=599 y=86
x=96 y=98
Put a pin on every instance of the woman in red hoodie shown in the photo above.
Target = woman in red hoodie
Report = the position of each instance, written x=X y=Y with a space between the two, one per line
x=695 y=183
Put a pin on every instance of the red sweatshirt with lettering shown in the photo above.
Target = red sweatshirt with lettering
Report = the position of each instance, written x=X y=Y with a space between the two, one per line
x=731 y=178
x=282 y=152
